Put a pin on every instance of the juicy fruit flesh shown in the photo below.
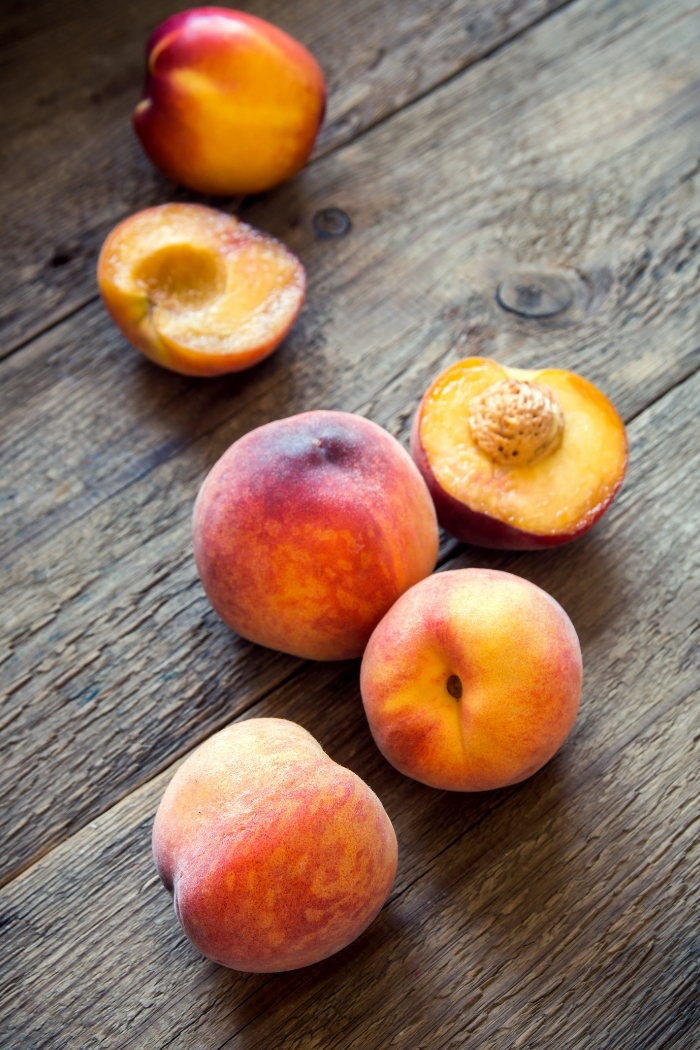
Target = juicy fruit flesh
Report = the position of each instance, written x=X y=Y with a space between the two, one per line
x=194 y=281
x=259 y=290
x=180 y=276
x=556 y=494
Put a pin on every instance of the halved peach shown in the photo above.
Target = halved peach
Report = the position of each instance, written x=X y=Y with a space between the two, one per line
x=518 y=459
x=198 y=291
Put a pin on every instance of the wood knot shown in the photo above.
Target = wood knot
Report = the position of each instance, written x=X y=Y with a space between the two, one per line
x=515 y=422
x=532 y=294
x=331 y=222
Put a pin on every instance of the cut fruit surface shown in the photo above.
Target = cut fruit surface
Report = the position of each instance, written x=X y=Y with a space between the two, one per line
x=198 y=291
x=518 y=459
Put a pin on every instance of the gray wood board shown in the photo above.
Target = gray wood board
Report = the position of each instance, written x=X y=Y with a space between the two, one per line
x=74 y=69
x=113 y=661
x=557 y=913
x=83 y=414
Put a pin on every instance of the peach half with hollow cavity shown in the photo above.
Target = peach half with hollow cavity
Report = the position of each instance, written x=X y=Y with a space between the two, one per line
x=198 y=291
x=276 y=856
x=518 y=459
x=472 y=680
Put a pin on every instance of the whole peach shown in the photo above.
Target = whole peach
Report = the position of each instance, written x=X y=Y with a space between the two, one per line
x=276 y=856
x=308 y=529
x=472 y=680
x=231 y=103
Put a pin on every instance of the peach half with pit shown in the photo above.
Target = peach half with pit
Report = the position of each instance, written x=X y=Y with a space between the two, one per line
x=276 y=856
x=198 y=291
x=308 y=529
x=231 y=104
x=518 y=459
x=472 y=680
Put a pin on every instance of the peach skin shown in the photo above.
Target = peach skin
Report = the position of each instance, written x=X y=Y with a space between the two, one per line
x=472 y=680
x=308 y=529
x=276 y=856
x=197 y=291
x=231 y=104
x=518 y=459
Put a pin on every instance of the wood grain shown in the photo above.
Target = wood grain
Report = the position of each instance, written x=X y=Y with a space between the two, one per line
x=518 y=918
x=74 y=70
x=114 y=662
x=417 y=276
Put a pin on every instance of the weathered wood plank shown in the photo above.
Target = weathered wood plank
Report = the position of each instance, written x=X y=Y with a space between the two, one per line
x=112 y=651
x=74 y=70
x=419 y=270
x=557 y=913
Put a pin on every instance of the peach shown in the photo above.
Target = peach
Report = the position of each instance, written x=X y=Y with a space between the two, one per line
x=196 y=290
x=472 y=680
x=231 y=104
x=276 y=856
x=518 y=459
x=308 y=529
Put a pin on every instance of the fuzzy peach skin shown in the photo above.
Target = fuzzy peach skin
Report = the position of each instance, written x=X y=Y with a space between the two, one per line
x=276 y=856
x=472 y=680
x=231 y=104
x=197 y=291
x=518 y=505
x=308 y=529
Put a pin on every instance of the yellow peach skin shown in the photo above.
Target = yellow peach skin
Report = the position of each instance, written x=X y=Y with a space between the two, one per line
x=197 y=291
x=308 y=529
x=276 y=856
x=231 y=103
x=472 y=680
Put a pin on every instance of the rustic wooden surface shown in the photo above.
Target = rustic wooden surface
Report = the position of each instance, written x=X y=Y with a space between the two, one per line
x=105 y=452
x=508 y=907
x=74 y=68
x=560 y=913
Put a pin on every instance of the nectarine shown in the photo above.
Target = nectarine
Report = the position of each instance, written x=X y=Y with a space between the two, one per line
x=231 y=103
x=472 y=680
x=198 y=291
x=518 y=459
x=276 y=856
x=308 y=529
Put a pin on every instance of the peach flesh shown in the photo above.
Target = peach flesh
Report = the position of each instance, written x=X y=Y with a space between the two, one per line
x=196 y=290
x=556 y=496
x=472 y=680
x=308 y=529
x=231 y=104
x=276 y=856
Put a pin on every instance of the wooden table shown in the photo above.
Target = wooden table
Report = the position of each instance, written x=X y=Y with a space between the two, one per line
x=464 y=138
